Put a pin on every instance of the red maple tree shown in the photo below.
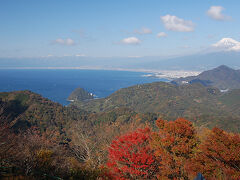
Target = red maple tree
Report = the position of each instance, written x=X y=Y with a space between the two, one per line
x=175 y=151
x=130 y=156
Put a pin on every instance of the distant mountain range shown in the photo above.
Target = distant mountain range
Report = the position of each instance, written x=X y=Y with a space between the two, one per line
x=222 y=77
x=199 y=62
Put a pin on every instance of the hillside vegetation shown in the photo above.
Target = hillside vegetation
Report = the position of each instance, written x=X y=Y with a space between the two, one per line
x=123 y=135
x=205 y=106
x=40 y=139
x=31 y=124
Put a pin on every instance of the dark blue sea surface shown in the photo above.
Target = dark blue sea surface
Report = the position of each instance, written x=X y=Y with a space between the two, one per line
x=58 y=84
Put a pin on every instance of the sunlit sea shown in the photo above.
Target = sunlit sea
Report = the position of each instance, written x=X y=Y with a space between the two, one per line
x=57 y=85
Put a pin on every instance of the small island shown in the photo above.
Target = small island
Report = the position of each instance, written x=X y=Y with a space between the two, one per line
x=80 y=94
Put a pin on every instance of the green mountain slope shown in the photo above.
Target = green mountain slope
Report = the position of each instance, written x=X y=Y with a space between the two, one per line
x=139 y=106
x=23 y=109
x=203 y=105
x=69 y=126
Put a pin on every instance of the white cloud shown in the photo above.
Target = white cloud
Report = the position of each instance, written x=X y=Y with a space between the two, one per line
x=131 y=40
x=59 y=41
x=227 y=44
x=143 y=31
x=215 y=12
x=236 y=48
x=161 y=34
x=67 y=42
x=174 y=23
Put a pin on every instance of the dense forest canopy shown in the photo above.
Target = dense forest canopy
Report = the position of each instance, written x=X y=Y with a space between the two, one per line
x=47 y=140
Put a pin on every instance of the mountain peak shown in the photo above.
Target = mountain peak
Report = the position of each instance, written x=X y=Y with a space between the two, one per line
x=224 y=67
x=228 y=44
x=228 y=41
x=222 y=77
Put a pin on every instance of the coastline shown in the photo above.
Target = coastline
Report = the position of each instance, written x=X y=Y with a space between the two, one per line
x=155 y=73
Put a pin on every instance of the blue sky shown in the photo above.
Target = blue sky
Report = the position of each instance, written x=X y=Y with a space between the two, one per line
x=108 y=28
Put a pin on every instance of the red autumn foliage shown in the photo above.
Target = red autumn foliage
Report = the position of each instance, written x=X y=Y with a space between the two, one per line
x=174 y=145
x=175 y=152
x=130 y=156
x=219 y=156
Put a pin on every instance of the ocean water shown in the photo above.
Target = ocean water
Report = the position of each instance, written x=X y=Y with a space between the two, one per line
x=57 y=85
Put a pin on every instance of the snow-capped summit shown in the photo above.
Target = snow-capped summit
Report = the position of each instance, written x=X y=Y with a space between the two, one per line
x=227 y=44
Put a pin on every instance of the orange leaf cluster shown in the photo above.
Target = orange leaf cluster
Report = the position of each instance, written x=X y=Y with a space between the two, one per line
x=175 y=151
x=174 y=145
x=218 y=156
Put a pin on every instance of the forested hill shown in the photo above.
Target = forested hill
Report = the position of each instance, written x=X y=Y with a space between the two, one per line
x=23 y=109
x=55 y=141
x=79 y=94
x=221 y=77
x=52 y=139
x=203 y=105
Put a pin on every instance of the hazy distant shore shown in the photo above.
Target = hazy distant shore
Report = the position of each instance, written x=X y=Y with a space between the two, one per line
x=87 y=68
x=156 y=73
